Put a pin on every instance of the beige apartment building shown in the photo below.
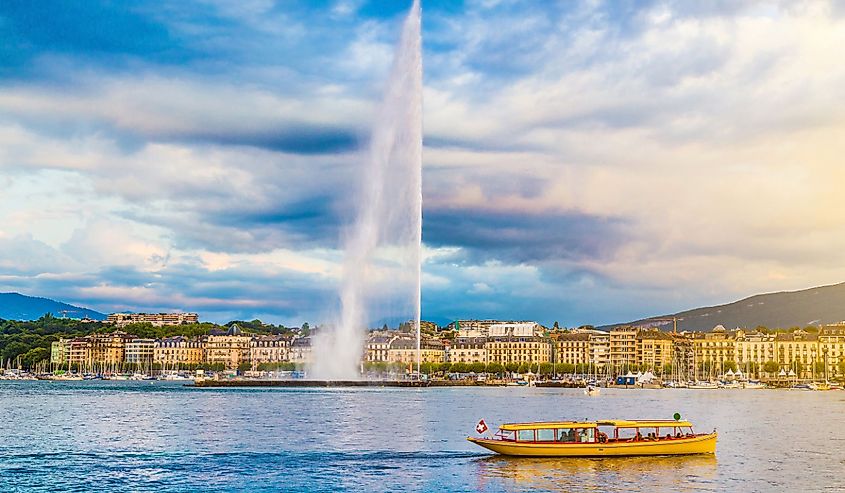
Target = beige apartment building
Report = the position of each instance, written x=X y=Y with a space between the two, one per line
x=623 y=347
x=518 y=343
x=714 y=348
x=156 y=319
x=171 y=352
x=140 y=351
x=231 y=349
x=468 y=350
x=573 y=349
x=378 y=346
x=269 y=349
x=654 y=349
x=832 y=347
x=753 y=350
x=798 y=351
x=404 y=350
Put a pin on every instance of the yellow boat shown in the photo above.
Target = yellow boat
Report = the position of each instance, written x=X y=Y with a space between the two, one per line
x=611 y=438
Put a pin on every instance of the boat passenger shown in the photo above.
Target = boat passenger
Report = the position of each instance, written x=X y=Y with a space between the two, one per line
x=668 y=436
x=602 y=437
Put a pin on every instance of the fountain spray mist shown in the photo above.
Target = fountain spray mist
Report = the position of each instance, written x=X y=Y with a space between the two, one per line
x=382 y=266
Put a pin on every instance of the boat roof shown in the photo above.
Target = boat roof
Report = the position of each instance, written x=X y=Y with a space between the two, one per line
x=619 y=423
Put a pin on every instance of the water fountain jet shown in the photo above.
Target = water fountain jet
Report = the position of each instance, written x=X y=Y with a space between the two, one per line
x=383 y=244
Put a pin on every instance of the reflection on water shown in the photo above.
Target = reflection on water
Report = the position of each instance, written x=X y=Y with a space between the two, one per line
x=599 y=474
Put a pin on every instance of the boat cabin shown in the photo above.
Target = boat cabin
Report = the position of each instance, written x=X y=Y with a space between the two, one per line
x=611 y=431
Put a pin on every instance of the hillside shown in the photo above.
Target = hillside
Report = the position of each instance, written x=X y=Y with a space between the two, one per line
x=824 y=304
x=15 y=306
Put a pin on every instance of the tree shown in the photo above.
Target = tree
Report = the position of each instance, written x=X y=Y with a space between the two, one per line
x=459 y=368
x=523 y=368
x=667 y=369
x=819 y=368
x=512 y=367
x=34 y=356
x=495 y=368
x=556 y=325
x=12 y=350
x=771 y=367
x=545 y=369
x=478 y=367
x=729 y=365
x=306 y=329
x=841 y=366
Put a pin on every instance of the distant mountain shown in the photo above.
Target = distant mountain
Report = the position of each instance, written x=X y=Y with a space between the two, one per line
x=15 y=306
x=821 y=305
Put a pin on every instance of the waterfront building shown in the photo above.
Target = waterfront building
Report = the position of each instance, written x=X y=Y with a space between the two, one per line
x=300 y=351
x=481 y=328
x=518 y=343
x=58 y=352
x=109 y=349
x=404 y=350
x=171 y=352
x=654 y=350
x=468 y=350
x=140 y=351
x=78 y=351
x=599 y=347
x=753 y=350
x=713 y=349
x=798 y=351
x=573 y=349
x=832 y=347
x=156 y=319
x=378 y=346
x=269 y=349
x=623 y=347
x=230 y=349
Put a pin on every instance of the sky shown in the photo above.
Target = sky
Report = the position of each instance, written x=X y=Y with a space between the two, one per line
x=583 y=162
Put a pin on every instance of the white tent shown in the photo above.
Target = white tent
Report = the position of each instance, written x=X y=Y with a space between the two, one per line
x=646 y=377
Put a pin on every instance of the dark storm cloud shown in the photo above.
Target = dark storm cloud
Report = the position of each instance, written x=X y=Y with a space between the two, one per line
x=515 y=237
x=296 y=139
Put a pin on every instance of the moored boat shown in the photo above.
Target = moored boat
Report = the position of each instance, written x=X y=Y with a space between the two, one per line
x=611 y=438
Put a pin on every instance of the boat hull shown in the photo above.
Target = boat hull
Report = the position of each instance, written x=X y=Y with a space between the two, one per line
x=700 y=444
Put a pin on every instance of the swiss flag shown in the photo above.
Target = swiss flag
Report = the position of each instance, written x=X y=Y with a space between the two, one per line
x=481 y=427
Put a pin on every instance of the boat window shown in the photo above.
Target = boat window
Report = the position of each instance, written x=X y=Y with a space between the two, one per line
x=627 y=433
x=586 y=435
x=565 y=435
x=546 y=435
x=507 y=435
x=525 y=435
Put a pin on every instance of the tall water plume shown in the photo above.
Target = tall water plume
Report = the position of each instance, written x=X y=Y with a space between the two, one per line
x=381 y=270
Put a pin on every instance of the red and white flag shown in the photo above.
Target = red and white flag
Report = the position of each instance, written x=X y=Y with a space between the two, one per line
x=481 y=427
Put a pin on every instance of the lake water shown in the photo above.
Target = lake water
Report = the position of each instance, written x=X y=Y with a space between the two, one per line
x=160 y=436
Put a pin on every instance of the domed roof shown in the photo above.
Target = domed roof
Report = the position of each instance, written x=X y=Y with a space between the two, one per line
x=234 y=330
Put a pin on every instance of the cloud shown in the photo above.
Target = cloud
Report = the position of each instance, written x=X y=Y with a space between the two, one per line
x=583 y=161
